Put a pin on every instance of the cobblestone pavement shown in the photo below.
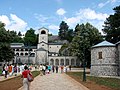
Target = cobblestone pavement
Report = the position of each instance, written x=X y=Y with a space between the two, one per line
x=55 y=82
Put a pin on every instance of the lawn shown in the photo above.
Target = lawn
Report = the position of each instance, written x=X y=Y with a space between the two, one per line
x=97 y=82
x=0 y=71
x=14 y=83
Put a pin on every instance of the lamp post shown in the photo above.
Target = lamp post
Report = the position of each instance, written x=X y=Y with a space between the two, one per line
x=84 y=65
x=84 y=61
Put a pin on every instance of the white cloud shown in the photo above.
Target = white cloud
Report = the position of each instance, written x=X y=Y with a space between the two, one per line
x=41 y=18
x=53 y=27
x=72 y=21
x=90 y=14
x=61 y=11
x=87 y=15
x=100 y=5
x=13 y=23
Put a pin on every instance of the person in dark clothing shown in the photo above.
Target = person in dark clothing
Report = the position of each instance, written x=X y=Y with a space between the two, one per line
x=56 y=69
x=70 y=67
x=53 y=68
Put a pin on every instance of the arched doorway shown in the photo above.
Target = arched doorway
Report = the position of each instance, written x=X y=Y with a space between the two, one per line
x=67 y=61
x=51 y=62
x=56 y=62
x=62 y=62
x=72 y=62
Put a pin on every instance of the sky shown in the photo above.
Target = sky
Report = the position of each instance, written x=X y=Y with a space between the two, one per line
x=21 y=15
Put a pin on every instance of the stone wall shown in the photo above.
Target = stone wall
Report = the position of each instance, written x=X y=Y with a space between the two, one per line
x=107 y=65
x=118 y=49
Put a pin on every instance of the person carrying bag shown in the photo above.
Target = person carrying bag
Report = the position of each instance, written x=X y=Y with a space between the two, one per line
x=27 y=78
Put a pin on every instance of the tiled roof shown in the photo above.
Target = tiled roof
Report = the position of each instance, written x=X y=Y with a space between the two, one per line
x=41 y=49
x=25 y=47
x=103 y=44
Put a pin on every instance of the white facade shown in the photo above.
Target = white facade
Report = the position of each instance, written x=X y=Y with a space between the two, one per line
x=44 y=53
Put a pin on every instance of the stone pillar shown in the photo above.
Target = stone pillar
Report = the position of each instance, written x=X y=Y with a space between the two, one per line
x=65 y=61
x=59 y=62
x=70 y=62
x=54 y=62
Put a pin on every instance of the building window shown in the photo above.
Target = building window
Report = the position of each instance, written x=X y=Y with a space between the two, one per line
x=57 y=46
x=50 y=47
x=42 y=44
x=22 y=50
x=43 y=32
x=26 y=49
x=100 y=55
x=26 y=54
x=21 y=54
x=17 y=49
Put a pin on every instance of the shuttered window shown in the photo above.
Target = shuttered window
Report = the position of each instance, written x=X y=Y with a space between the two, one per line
x=100 y=55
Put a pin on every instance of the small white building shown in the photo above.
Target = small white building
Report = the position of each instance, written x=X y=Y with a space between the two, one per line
x=43 y=53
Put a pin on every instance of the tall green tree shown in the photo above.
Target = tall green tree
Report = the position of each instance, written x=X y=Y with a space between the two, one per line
x=30 y=38
x=63 y=30
x=15 y=38
x=112 y=26
x=87 y=35
x=6 y=53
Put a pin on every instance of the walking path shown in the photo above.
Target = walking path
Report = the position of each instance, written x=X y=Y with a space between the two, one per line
x=55 y=82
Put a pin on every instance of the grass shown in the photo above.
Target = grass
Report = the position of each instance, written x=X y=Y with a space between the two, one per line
x=35 y=73
x=0 y=71
x=109 y=82
x=14 y=83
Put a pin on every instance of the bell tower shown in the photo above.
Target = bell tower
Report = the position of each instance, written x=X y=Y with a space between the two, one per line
x=43 y=38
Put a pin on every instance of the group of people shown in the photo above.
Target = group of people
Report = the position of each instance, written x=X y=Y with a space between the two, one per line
x=47 y=69
x=10 y=69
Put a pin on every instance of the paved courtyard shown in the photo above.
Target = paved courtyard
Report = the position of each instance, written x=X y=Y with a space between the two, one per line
x=55 y=82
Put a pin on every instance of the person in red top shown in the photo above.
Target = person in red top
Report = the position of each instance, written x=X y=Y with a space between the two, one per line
x=25 y=73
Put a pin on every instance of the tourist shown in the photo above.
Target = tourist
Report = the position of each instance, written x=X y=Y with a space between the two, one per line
x=6 y=70
x=3 y=70
x=70 y=67
x=43 y=69
x=49 y=69
x=62 y=69
x=10 y=70
x=40 y=68
x=25 y=73
x=56 y=69
x=53 y=68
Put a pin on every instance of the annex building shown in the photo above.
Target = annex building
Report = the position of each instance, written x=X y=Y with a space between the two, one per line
x=44 y=53
x=105 y=59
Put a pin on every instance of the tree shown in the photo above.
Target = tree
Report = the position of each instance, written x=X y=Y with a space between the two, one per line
x=86 y=36
x=63 y=30
x=19 y=33
x=112 y=26
x=15 y=38
x=30 y=38
x=6 y=53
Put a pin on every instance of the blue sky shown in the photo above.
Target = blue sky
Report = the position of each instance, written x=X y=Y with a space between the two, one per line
x=20 y=15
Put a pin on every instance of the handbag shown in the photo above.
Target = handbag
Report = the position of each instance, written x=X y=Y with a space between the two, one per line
x=29 y=77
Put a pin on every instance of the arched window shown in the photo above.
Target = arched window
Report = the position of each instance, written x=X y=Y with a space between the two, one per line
x=72 y=62
x=21 y=54
x=43 y=32
x=17 y=49
x=62 y=62
x=56 y=62
x=22 y=50
x=26 y=54
x=67 y=61
x=51 y=62
x=17 y=54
